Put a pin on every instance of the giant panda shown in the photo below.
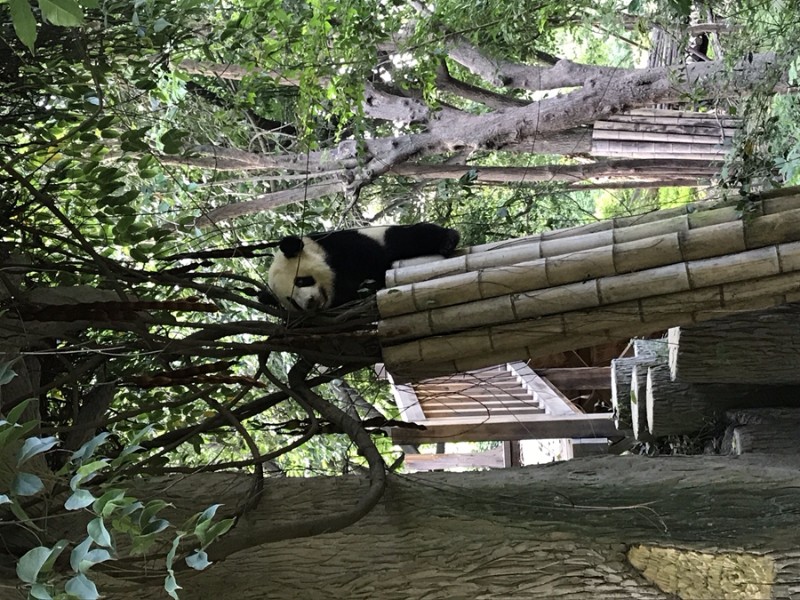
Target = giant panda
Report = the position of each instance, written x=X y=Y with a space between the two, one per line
x=325 y=270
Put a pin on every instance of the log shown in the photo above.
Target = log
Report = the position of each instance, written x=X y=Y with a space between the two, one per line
x=751 y=347
x=684 y=408
x=647 y=352
x=638 y=391
x=768 y=430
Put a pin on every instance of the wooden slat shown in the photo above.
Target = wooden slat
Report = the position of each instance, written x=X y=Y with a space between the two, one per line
x=492 y=459
x=508 y=428
x=554 y=402
x=479 y=412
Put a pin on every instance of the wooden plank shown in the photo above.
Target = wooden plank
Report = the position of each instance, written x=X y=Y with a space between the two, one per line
x=488 y=459
x=468 y=402
x=578 y=378
x=478 y=411
x=471 y=398
x=508 y=428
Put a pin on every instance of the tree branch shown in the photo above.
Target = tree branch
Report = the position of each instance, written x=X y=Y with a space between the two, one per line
x=256 y=534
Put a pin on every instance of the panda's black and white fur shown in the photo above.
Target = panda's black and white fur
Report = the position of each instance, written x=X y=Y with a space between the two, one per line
x=325 y=270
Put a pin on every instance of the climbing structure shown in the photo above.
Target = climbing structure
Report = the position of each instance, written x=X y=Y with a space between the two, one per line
x=579 y=287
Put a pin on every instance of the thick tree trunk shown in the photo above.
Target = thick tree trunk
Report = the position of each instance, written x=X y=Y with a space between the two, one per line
x=702 y=527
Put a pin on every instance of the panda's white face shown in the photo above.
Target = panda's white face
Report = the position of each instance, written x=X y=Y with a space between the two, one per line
x=304 y=281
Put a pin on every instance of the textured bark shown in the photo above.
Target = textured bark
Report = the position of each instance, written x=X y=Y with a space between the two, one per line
x=572 y=531
x=757 y=347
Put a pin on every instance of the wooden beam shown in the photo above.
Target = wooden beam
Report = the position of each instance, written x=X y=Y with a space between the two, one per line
x=508 y=428
x=488 y=459
x=578 y=378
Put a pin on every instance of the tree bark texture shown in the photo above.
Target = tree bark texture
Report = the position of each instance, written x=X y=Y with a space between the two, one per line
x=756 y=347
x=602 y=528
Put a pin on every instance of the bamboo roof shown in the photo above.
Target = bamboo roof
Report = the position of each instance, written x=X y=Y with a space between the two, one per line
x=582 y=286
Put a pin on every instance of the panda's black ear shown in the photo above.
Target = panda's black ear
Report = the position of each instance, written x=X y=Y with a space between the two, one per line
x=291 y=246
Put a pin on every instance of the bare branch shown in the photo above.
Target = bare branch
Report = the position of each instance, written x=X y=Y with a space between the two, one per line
x=265 y=202
x=256 y=534
x=503 y=73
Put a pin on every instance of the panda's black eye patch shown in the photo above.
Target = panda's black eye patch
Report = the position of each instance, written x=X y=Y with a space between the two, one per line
x=306 y=281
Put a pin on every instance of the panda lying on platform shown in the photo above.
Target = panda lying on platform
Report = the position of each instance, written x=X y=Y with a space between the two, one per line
x=323 y=270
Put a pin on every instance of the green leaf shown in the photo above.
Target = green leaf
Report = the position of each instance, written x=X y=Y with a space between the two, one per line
x=88 y=449
x=94 y=557
x=87 y=472
x=171 y=554
x=31 y=563
x=109 y=502
x=219 y=529
x=65 y=13
x=198 y=560
x=26 y=484
x=55 y=552
x=16 y=412
x=12 y=434
x=155 y=526
x=24 y=22
x=150 y=510
x=160 y=25
x=79 y=499
x=208 y=513
x=171 y=585
x=39 y=591
x=79 y=553
x=98 y=532
x=82 y=587
x=34 y=446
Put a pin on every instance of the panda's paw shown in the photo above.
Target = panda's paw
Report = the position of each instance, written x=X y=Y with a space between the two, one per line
x=449 y=242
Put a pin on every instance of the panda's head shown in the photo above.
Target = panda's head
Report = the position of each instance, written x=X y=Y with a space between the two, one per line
x=300 y=277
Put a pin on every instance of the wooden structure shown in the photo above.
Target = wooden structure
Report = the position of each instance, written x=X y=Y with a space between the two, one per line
x=583 y=286
x=508 y=402
x=665 y=134
x=747 y=360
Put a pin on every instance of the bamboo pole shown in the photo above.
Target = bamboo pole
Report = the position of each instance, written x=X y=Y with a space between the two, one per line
x=483 y=347
x=576 y=239
x=705 y=129
x=398 y=275
x=593 y=293
x=679 y=140
x=580 y=266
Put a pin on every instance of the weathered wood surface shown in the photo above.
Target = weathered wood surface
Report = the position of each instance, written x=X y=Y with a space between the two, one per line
x=770 y=431
x=750 y=347
x=509 y=428
x=682 y=408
